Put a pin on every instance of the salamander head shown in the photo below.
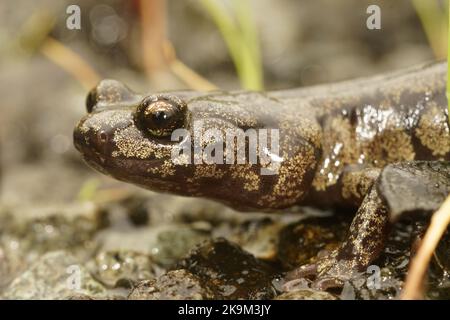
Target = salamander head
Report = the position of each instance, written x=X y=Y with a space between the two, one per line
x=209 y=145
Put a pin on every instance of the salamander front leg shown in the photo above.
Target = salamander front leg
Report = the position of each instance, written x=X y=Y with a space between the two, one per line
x=366 y=239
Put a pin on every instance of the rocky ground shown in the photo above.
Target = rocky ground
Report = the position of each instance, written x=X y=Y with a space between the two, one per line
x=148 y=246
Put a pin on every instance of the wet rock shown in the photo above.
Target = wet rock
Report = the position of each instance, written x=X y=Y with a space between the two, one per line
x=123 y=268
x=402 y=243
x=306 y=294
x=300 y=242
x=229 y=271
x=166 y=244
x=137 y=209
x=47 y=228
x=439 y=274
x=13 y=259
x=135 y=239
x=5 y=269
x=417 y=186
x=87 y=297
x=174 y=243
x=56 y=275
x=259 y=236
x=26 y=232
x=372 y=286
x=174 y=285
x=442 y=254
x=165 y=209
x=402 y=239
x=439 y=289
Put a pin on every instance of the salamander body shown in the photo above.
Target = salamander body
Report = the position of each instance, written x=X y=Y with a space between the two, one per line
x=319 y=146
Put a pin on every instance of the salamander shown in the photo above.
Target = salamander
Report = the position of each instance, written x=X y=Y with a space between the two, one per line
x=331 y=144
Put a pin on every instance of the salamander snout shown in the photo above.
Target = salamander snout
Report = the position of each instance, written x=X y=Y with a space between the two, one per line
x=93 y=141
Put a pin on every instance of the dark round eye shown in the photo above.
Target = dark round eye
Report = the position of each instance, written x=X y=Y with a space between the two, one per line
x=160 y=115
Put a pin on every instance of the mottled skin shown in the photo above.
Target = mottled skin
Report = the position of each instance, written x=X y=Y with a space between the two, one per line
x=334 y=142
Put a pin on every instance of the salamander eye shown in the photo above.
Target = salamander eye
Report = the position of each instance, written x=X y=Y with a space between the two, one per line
x=160 y=115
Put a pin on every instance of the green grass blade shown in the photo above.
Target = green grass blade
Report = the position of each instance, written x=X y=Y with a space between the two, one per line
x=241 y=39
x=88 y=190
x=434 y=22
x=251 y=51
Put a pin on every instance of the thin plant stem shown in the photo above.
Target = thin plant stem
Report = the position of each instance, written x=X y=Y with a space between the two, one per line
x=440 y=220
x=434 y=22
x=241 y=38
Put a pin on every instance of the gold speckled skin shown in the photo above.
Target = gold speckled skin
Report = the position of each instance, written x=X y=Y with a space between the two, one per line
x=334 y=142
x=328 y=136
x=112 y=143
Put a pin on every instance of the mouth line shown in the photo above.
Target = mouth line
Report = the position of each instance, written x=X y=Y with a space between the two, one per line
x=93 y=158
x=105 y=164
